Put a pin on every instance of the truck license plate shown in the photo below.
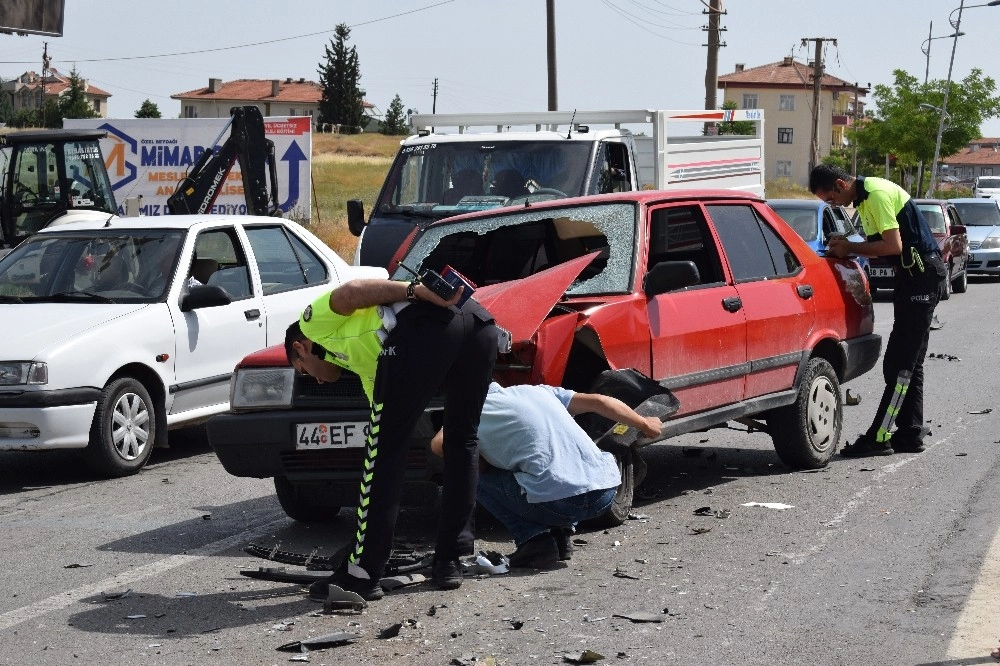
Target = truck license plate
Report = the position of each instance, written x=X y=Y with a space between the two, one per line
x=309 y=436
x=882 y=272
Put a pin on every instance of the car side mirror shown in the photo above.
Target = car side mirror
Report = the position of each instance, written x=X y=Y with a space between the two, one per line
x=669 y=276
x=355 y=216
x=205 y=296
x=957 y=229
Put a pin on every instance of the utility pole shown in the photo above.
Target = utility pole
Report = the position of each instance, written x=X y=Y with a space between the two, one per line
x=550 y=34
x=46 y=63
x=434 y=103
x=854 y=144
x=817 y=87
x=715 y=14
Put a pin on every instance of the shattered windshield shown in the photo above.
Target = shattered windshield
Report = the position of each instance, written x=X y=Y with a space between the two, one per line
x=509 y=247
x=442 y=179
x=121 y=267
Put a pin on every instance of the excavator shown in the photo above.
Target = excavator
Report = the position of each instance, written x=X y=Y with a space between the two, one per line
x=51 y=177
x=248 y=145
x=59 y=176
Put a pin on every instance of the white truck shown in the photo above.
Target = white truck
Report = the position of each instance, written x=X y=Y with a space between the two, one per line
x=488 y=160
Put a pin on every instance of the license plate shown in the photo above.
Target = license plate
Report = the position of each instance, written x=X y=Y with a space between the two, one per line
x=972 y=257
x=882 y=272
x=309 y=436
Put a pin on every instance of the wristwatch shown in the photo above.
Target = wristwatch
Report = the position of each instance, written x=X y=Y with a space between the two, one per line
x=411 y=294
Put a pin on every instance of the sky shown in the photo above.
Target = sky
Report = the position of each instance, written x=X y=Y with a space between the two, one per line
x=491 y=56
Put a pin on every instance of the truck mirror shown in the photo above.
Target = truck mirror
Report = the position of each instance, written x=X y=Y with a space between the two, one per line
x=355 y=216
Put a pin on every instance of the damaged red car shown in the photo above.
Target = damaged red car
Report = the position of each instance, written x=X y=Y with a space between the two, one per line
x=709 y=294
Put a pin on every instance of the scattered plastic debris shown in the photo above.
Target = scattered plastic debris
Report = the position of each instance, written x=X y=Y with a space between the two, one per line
x=390 y=583
x=770 y=505
x=516 y=624
x=700 y=530
x=977 y=411
x=340 y=599
x=464 y=660
x=640 y=616
x=961 y=454
x=950 y=357
x=300 y=657
x=206 y=516
x=134 y=617
x=488 y=563
x=392 y=631
x=320 y=642
x=121 y=594
x=78 y=565
x=585 y=657
x=432 y=611
x=638 y=516
x=187 y=594
x=703 y=511
x=853 y=398
x=622 y=573
x=284 y=625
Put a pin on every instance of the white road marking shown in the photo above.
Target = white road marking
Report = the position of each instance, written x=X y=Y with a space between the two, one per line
x=64 y=600
x=978 y=626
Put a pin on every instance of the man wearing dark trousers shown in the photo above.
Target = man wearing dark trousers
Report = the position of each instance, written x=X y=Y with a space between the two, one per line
x=405 y=343
x=895 y=229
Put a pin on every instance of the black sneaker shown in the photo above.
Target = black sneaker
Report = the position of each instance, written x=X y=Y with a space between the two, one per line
x=865 y=446
x=906 y=441
x=366 y=589
x=446 y=574
x=564 y=543
x=538 y=552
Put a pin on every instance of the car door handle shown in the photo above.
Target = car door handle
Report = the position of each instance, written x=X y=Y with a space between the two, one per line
x=805 y=290
x=252 y=314
x=732 y=303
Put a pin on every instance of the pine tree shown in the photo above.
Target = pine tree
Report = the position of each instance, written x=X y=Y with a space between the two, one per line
x=73 y=102
x=395 y=122
x=339 y=76
x=6 y=105
x=148 y=110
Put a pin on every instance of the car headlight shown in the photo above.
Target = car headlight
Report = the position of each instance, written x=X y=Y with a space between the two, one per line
x=262 y=388
x=990 y=243
x=13 y=373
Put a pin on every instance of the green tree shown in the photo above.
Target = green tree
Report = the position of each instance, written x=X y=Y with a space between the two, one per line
x=395 y=118
x=52 y=115
x=25 y=118
x=73 y=102
x=6 y=105
x=148 y=110
x=340 y=76
x=740 y=127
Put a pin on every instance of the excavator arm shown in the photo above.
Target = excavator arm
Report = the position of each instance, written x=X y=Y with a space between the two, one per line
x=248 y=145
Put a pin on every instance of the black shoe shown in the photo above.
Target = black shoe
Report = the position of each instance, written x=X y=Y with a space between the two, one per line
x=905 y=441
x=865 y=446
x=363 y=587
x=564 y=543
x=446 y=574
x=538 y=552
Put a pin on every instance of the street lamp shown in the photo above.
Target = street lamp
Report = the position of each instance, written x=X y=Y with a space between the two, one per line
x=925 y=48
x=947 y=86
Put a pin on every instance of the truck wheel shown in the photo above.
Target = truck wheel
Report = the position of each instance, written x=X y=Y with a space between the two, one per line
x=617 y=513
x=806 y=433
x=960 y=284
x=305 y=502
x=124 y=429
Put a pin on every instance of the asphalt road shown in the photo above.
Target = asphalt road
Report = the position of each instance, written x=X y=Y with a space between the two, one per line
x=878 y=561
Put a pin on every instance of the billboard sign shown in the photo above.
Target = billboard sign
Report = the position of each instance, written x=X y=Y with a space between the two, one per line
x=36 y=17
x=148 y=157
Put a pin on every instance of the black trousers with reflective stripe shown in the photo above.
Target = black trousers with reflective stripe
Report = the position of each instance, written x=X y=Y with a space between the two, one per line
x=430 y=348
x=913 y=301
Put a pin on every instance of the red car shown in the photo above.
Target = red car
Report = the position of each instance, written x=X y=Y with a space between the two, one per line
x=709 y=293
x=946 y=225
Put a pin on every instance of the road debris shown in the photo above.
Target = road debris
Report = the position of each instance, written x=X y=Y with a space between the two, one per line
x=640 y=616
x=853 y=398
x=78 y=565
x=770 y=505
x=623 y=573
x=976 y=411
x=700 y=530
x=485 y=563
x=319 y=642
x=950 y=357
x=134 y=617
x=340 y=599
x=392 y=631
x=585 y=657
x=120 y=594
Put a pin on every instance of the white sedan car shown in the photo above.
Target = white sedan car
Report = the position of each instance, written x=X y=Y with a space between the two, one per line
x=112 y=332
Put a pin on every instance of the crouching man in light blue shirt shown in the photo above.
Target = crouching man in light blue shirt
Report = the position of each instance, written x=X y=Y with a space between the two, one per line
x=542 y=473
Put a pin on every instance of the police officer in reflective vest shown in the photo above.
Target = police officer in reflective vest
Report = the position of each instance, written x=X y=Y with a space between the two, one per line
x=895 y=229
x=404 y=342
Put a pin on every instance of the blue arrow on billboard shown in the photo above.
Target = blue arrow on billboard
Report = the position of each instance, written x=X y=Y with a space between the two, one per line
x=293 y=156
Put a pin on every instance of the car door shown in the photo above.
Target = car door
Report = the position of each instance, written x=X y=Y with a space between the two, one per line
x=777 y=304
x=292 y=274
x=958 y=243
x=697 y=334
x=212 y=340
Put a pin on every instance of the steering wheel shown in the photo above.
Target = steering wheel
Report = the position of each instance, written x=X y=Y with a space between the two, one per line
x=25 y=194
x=558 y=194
x=541 y=194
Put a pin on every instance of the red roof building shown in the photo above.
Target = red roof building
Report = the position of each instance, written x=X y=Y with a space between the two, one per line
x=980 y=158
x=30 y=90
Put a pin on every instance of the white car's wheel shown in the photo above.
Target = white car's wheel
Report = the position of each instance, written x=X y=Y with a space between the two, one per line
x=124 y=429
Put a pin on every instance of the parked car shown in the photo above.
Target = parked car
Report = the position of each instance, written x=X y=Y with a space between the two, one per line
x=949 y=232
x=115 y=331
x=982 y=224
x=709 y=293
x=987 y=186
x=815 y=220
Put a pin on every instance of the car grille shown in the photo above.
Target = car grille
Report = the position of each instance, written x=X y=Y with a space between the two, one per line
x=340 y=462
x=345 y=393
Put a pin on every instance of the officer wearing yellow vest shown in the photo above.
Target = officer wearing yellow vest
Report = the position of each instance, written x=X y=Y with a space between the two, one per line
x=404 y=342
x=895 y=229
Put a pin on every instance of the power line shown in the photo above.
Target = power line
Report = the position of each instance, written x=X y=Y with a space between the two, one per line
x=635 y=21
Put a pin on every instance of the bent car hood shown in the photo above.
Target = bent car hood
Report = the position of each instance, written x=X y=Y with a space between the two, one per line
x=520 y=306
x=31 y=328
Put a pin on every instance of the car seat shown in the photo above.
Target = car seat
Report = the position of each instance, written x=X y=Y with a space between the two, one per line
x=202 y=269
x=463 y=183
x=509 y=183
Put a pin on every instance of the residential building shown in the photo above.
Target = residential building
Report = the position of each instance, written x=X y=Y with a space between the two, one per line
x=784 y=90
x=274 y=97
x=980 y=158
x=30 y=90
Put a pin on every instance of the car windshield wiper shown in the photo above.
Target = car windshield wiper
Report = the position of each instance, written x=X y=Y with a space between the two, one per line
x=11 y=299
x=70 y=295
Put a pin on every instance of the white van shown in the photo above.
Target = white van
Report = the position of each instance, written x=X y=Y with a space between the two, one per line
x=987 y=187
